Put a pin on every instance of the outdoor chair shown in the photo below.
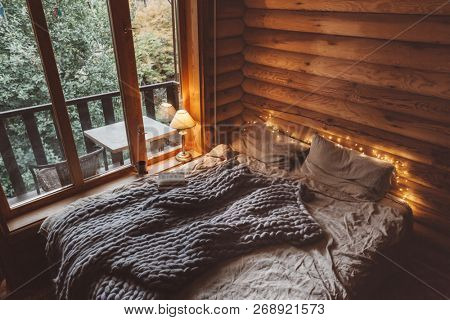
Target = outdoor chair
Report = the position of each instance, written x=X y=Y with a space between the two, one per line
x=56 y=175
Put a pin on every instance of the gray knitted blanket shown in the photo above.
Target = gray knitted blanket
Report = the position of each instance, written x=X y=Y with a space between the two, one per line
x=141 y=243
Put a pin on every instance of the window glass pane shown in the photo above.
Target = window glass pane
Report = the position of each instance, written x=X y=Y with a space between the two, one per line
x=31 y=161
x=153 y=33
x=82 y=41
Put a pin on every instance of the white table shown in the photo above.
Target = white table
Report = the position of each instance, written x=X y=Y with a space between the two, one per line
x=114 y=137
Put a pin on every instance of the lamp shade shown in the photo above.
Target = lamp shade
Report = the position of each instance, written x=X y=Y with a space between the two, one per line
x=182 y=120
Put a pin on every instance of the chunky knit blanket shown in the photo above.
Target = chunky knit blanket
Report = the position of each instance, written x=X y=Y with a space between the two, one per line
x=141 y=243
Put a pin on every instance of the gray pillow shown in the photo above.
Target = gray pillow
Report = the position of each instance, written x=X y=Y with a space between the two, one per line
x=272 y=148
x=347 y=170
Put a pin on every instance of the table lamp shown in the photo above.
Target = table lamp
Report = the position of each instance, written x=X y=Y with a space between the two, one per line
x=182 y=121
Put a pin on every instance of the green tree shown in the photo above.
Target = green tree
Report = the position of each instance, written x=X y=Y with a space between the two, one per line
x=82 y=43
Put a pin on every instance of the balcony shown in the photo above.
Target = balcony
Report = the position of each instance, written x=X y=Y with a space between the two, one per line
x=107 y=104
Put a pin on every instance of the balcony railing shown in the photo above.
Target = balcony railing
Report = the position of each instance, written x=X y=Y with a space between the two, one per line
x=28 y=118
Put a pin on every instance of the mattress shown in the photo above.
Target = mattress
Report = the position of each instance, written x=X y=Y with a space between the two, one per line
x=341 y=266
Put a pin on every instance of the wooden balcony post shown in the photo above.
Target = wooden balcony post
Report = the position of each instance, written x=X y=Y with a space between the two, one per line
x=108 y=115
x=86 y=123
x=10 y=162
x=149 y=101
x=35 y=137
x=119 y=13
x=62 y=124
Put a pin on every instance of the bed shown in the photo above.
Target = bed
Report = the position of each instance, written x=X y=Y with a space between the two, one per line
x=345 y=263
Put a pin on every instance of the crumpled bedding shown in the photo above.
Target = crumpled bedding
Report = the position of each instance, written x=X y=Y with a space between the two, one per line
x=341 y=266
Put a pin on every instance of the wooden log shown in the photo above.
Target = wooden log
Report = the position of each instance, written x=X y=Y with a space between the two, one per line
x=395 y=53
x=230 y=46
x=437 y=7
x=229 y=95
x=10 y=162
x=433 y=29
x=229 y=28
x=394 y=144
x=229 y=111
x=435 y=84
x=384 y=98
x=410 y=126
x=86 y=124
x=228 y=64
x=229 y=80
x=227 y=9
x=35 y=138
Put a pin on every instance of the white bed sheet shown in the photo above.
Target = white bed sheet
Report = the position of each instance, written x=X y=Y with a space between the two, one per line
x=341 y=266
x=338 y=267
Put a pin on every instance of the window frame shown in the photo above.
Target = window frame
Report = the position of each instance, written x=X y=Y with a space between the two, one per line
x=187 y=51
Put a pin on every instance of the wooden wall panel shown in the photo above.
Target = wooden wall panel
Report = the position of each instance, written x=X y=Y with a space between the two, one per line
x=436 y=84
x=225 y=106
x=437 y=7
x=377 y=71
x=435 y=29
x=397 y=53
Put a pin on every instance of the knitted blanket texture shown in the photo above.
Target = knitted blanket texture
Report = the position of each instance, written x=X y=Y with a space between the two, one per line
x=142 y=243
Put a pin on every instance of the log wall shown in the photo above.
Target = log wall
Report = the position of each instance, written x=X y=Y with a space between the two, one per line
x=375 y=72
x=229 y=63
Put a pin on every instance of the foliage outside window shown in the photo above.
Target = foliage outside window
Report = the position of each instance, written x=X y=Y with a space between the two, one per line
x=81 y=38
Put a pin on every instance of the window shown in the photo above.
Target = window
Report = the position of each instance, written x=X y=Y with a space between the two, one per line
x=95 y=124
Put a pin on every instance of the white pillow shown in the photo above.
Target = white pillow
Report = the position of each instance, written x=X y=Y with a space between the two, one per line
x=346 y=170
x=272 y=148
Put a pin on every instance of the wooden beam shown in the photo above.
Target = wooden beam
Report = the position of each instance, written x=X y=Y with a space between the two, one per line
x=384 y=98
x=375 y=6
x=229 y=64
x=396 y=53
x=228 y=9
x=436 y=84
x=229 y=80
x=228 y=96
x=229 y=111
x=229 y=28
x=194 y=43
x=119 y=13
x=433 y=29
x=412 y=127
x=229 y=46
x=59 y=108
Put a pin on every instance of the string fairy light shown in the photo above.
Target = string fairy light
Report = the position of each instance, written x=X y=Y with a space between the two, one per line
x=400 y=182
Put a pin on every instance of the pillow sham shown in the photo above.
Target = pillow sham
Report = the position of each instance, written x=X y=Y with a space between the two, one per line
x=361 y=176
x=275 y=149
